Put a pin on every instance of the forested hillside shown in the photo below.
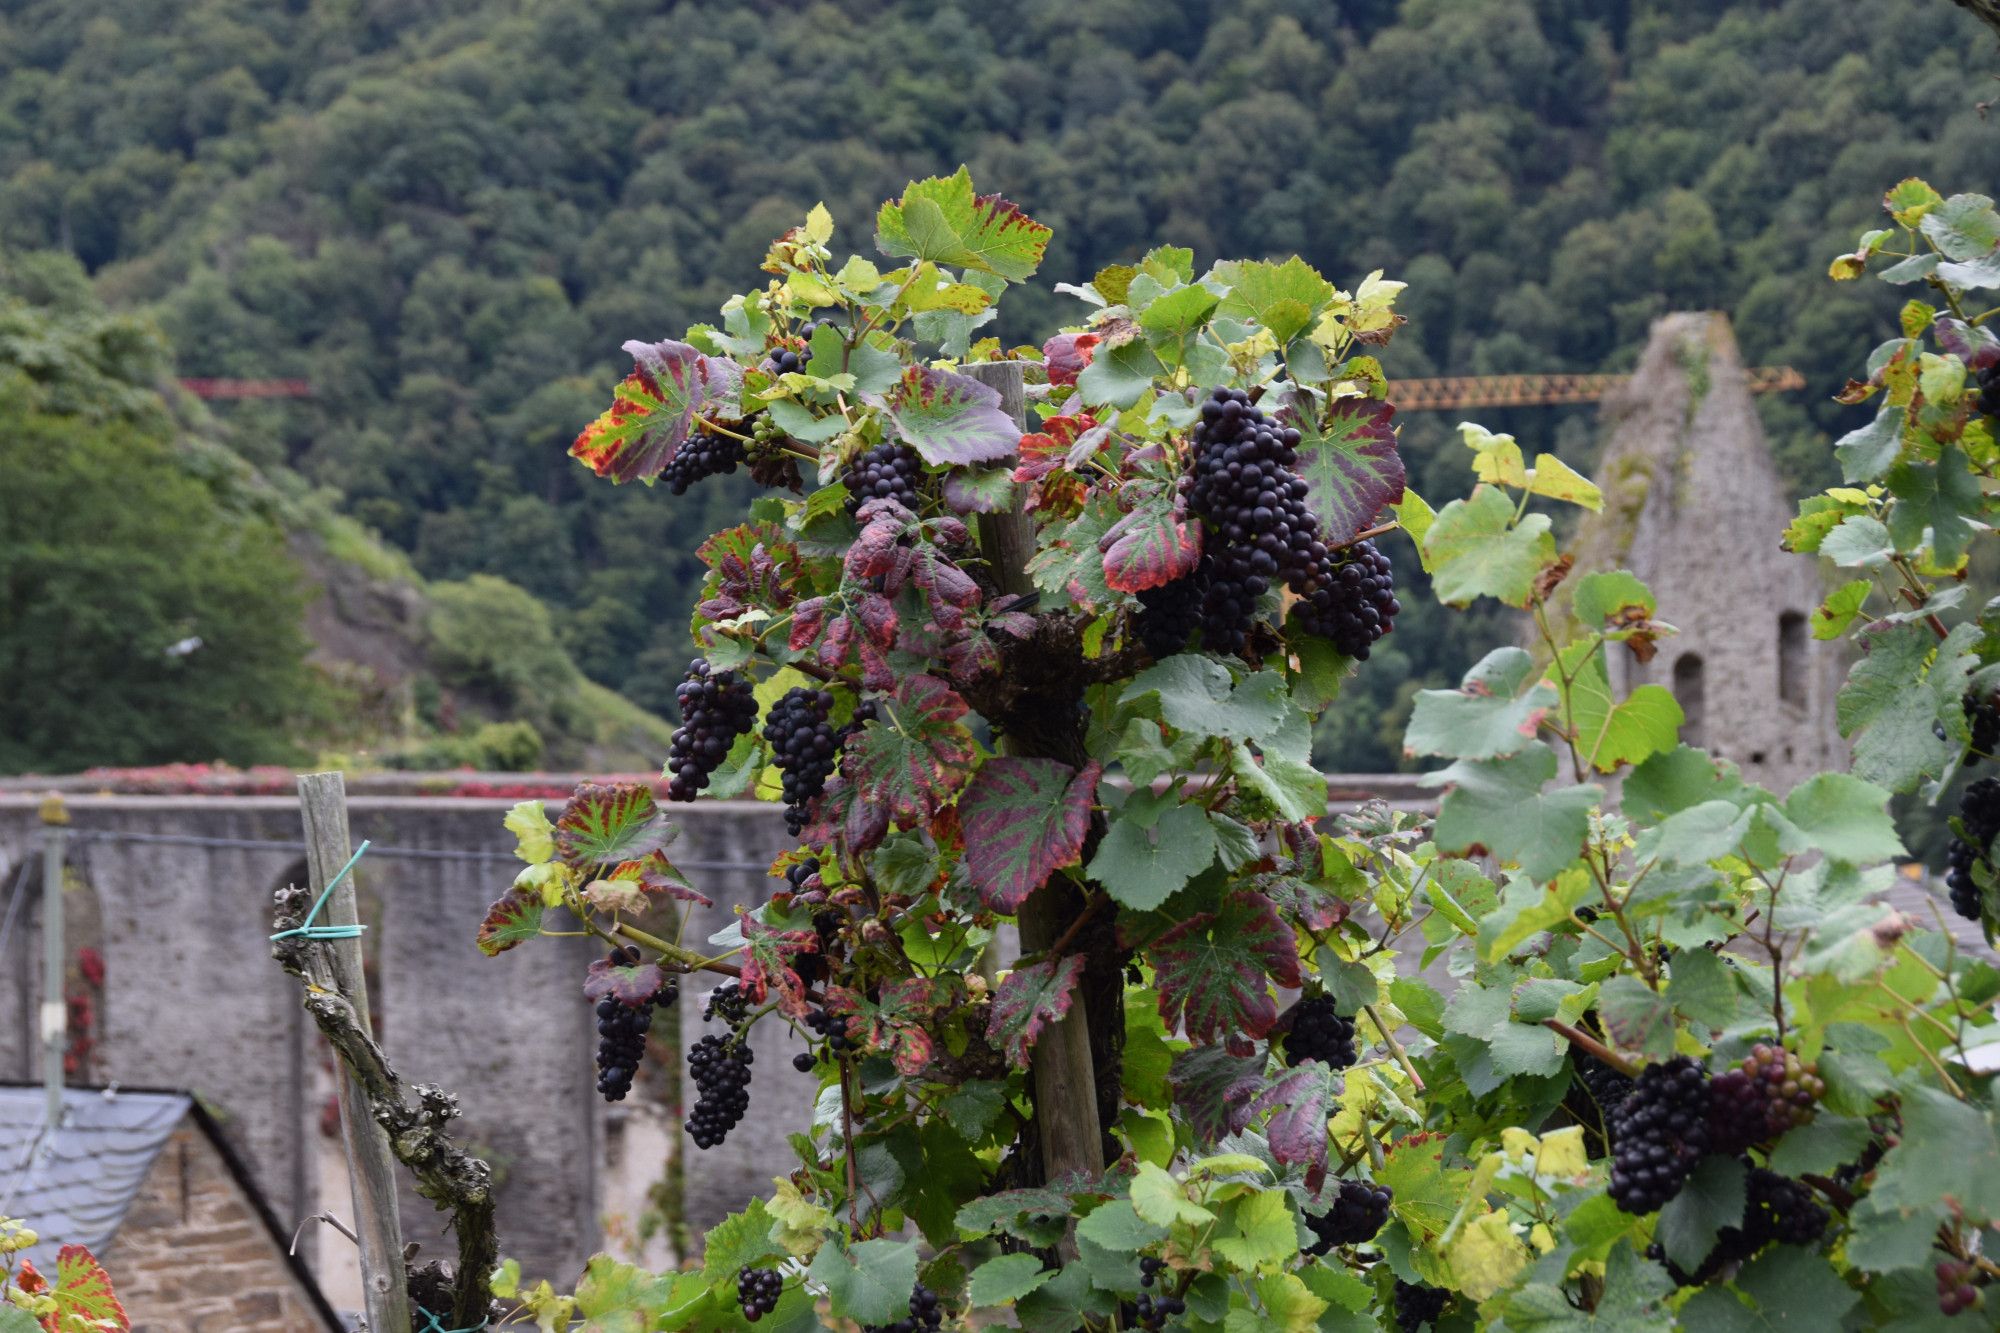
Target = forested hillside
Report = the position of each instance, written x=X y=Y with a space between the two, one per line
x=448 y=214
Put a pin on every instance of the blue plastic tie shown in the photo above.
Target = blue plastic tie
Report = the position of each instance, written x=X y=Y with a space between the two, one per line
x=312 y=932
x=436 y=1325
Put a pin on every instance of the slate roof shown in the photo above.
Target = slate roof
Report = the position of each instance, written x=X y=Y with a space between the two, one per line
x=76 y=1188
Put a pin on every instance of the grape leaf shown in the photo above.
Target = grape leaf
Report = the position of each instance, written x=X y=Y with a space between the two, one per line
x=632 y=984
x=617 y=1297
x=1024 y=819
x=1611 y=731
x=1351 y=464
x=1030 y=999
x=1196 y=696
x=653 y=410
x=1070 y=565
x=1067 y=354
x=894 y=1025
x=534 y=836
x=1153 y=545
x=1475 y=549
x=1891 y=701
x=608 y=824
x=870 y=1282
x=1300 y=1101
x=948 y=417
x=909 y=768
x=1711 y=1199
x=1427 y=1193
x=1119 y=375
x=768 y=964
x=515 y=916
x=1500 y=805
x=1014 y=1211
x=1006 y=1279
x=1215 y=1089
x=85 y=1302
x=1488 y=716
x=1284 y=298
x=942 y=220
x=1143 y=862
x=1214 y=970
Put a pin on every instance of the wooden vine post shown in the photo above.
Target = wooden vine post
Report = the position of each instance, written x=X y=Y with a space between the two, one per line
x=1065 y=1079
x=335 y=965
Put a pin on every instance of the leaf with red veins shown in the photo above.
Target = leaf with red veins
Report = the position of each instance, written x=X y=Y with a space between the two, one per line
x=1312 y=907
x=896 y=1025
x=945 y=583
x=1067 y=354
x=875 y=548
x=808 y=619
x=1215 y=970
x=607 y=824
x=747 y=569
x=948 y=418
x=1030 y=1000
x=969 y=658
x=914 y=763
x=844 y=816
x=634 y=985
x=514 y=917
x=1300 y=1101
x=83 y=1295
x=653 y=410
x=768 y=956
x=656 y=875
x=1351 y=466
x=1151 y=546
x=1215 y=1090
x=876 y=615
x=1024 y=820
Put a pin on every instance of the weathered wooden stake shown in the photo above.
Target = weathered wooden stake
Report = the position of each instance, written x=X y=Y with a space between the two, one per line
x=1065 y=1076
x=55 y=965
x=336 y=966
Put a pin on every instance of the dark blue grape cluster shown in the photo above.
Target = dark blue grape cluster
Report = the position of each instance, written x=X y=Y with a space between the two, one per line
x=716 y=707
x=702 y=455
x=1359 y=1210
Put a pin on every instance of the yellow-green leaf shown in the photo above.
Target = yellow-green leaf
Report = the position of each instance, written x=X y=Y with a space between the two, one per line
x=534 y=835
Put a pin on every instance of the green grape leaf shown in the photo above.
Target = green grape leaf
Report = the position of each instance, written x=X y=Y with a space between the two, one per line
x=1281 y=779
x=1024 y=820
x=1636 y=1017
x=1153 y=545
x=1494 y=712
x=1426 y=1192
x=1118 y=1227
x=1677 y=779
x=1168 y=320
x=1841 y=816
x=1195 y=695
x=948 y=417
x=1938 y=500
x=1258 y=1233
x=740 y=1240
x=870 y=1281
x=1949 y=1151
x=1866 y=452
x=1612 y=597
x=1891 y=700
x=616 y=1297
x=1476 y=549
x=1788 y=1286
x=1143 y=862
x=534 y=835
x=1612 y=732
x=1634 y=1301
x=1350 y=463
x=1416 y=516
x=1500 y=805
x=1007 y=1279
x=610 y=824
x=1071 y=566
x=1712 y=1199
x=1285 y=298
x=515 y=916
x=943 y=221
x=1843 y=605
x=1517 y=1049
x=1119 y=376
x=1029 y=1000
x=655 y=408
x=1214 y=970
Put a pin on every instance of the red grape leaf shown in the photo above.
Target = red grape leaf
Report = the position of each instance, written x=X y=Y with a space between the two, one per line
x=1215 y=1089
x=1151 y=546
x=949 y=418
x=634 y=985
x=942 y=220
x=767 y=965
x=611 y=823
x=85 y=1302
x=1030 y=999
x=653 y=410
x=1316 y=908
x=1300 y=1100
x=1024 y=819
x=895 y=1026
x=1067 y=354
x=655 y=874
x=1352 y=466
x=1214 y=970
x=912 y=762
x=515 y=916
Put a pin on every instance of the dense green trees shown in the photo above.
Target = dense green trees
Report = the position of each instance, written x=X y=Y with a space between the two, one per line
x=434 y=210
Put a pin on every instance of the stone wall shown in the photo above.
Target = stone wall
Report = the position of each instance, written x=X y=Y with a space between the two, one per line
x=194 y=1257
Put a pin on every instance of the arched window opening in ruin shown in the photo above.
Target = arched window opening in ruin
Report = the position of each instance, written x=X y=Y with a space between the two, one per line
x=1792 y=658
x=1689 y=691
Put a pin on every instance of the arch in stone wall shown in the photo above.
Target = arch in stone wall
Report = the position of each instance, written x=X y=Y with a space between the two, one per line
x=1794 y=660
x=1691 y=692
